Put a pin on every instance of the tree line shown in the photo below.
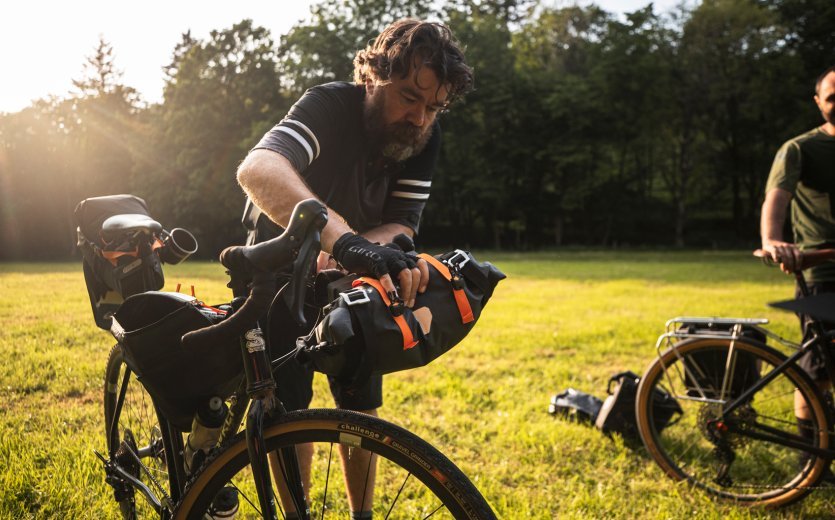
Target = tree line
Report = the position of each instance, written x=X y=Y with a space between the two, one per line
x=585 y=128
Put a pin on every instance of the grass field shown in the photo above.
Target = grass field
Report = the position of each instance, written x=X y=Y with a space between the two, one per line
x=560 y=320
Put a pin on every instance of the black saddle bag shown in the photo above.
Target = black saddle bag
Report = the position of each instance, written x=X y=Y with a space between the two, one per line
x=114 y=270
x=149 y=327
x=705 y=370
x=362 y=332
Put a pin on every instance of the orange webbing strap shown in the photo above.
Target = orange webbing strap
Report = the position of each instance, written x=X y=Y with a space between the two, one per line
x=460 y=297
x=114 y=256
x=408 y=338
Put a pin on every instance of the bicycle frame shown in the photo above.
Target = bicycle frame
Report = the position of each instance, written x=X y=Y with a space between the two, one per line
x=259 y=388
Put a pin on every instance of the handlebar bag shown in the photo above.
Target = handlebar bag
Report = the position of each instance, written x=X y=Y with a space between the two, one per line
x=363 y=332
x=149 y=327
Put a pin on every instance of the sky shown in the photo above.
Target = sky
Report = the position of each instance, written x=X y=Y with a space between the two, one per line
x=46 y=42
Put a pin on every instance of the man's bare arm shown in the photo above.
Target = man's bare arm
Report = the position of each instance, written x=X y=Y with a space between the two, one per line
x=275 y=187
x=772 y=220
x=385 y=233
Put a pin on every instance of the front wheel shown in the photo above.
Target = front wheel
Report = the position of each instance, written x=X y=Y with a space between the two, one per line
x=744 y=455
x=413 y=479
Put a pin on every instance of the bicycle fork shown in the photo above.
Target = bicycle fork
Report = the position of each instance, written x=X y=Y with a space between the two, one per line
x=261 y=389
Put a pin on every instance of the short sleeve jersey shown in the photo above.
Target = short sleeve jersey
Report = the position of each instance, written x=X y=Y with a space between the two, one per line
x=323 y=136
x=805 y=167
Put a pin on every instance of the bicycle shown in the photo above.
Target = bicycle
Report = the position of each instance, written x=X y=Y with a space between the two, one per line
x=145 y=465
x=737 y=435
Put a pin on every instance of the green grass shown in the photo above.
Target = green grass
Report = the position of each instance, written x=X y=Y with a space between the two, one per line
x=560 y=320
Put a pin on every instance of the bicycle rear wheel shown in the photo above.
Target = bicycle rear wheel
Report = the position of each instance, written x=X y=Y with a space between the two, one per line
x=135 y=440
x=414 y=480
x=722 y=456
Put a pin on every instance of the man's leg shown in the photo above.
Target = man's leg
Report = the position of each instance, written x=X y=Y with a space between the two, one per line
x=359 y=466
x=815 y=367
x=360 y=469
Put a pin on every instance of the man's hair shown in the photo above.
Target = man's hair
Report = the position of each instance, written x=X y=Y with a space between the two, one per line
x=407 y=43
x=817 y=83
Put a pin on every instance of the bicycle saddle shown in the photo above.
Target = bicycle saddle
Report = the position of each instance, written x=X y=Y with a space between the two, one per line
x=119 y=225
x=819 y=306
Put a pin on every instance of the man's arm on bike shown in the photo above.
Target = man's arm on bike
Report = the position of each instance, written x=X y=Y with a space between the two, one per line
x=773 y=219
x=274 y=185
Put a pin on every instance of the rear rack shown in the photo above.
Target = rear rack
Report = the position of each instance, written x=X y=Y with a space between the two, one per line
x=674 y=330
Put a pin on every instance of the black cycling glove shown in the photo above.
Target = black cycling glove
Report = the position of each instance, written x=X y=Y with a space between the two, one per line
x=358 y=255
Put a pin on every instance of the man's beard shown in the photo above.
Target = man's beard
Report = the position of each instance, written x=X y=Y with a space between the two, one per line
x=396 y=141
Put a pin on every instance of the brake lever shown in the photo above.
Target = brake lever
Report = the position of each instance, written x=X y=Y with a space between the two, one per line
x=303 y=267
x=306 y=223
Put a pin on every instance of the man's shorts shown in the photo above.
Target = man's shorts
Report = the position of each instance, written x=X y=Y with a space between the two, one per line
x=295 y=382
x=812 y=363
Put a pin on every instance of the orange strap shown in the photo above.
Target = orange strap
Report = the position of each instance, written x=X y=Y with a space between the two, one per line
x=408 y=338
x=459 y=294
x=114 y=256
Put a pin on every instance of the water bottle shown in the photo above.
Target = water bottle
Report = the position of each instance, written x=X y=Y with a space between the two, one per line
x=205 y=430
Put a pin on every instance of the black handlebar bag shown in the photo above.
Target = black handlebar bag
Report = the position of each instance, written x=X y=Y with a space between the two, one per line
x=149 y=327
x=363 y=332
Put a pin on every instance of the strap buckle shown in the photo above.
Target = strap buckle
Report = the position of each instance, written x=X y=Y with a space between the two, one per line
x=458 y=260
x=355 y=296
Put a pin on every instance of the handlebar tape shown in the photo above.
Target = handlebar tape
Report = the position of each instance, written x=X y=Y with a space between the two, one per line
x=298 y=246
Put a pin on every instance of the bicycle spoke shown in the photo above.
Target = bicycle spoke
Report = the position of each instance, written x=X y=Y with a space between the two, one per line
x=249 y=501
x=327 y=480
x=399 y=491
x=433 y=512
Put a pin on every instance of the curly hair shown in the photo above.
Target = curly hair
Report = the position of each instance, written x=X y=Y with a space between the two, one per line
x=412 y=43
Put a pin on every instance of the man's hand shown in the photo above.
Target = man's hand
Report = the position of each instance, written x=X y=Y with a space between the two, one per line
x=786 y=253
x=358 y=255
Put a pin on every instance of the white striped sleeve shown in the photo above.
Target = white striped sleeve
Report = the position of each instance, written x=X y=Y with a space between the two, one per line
x=412 y=189
x=301 y=140
x=311 y=136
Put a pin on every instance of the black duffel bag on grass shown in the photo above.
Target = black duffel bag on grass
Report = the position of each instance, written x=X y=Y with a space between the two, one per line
x=149 y=327
x=617 y=415
x=363 y=332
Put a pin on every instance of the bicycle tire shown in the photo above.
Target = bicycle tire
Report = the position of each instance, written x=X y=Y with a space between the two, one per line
x=396 y=449
x=759 y=472
x=139 y=430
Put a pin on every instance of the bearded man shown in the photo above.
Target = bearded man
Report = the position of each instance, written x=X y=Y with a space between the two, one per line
x=368 y=151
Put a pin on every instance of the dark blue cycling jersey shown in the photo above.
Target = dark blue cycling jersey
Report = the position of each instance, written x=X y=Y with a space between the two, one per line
x=324 y=138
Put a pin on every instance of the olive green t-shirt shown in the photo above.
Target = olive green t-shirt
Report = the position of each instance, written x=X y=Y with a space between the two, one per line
x=805 y=167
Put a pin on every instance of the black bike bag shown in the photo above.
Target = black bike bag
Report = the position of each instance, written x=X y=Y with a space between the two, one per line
x=363 y=332
x=113 y=266
x=149 y=327
x=705 y=370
